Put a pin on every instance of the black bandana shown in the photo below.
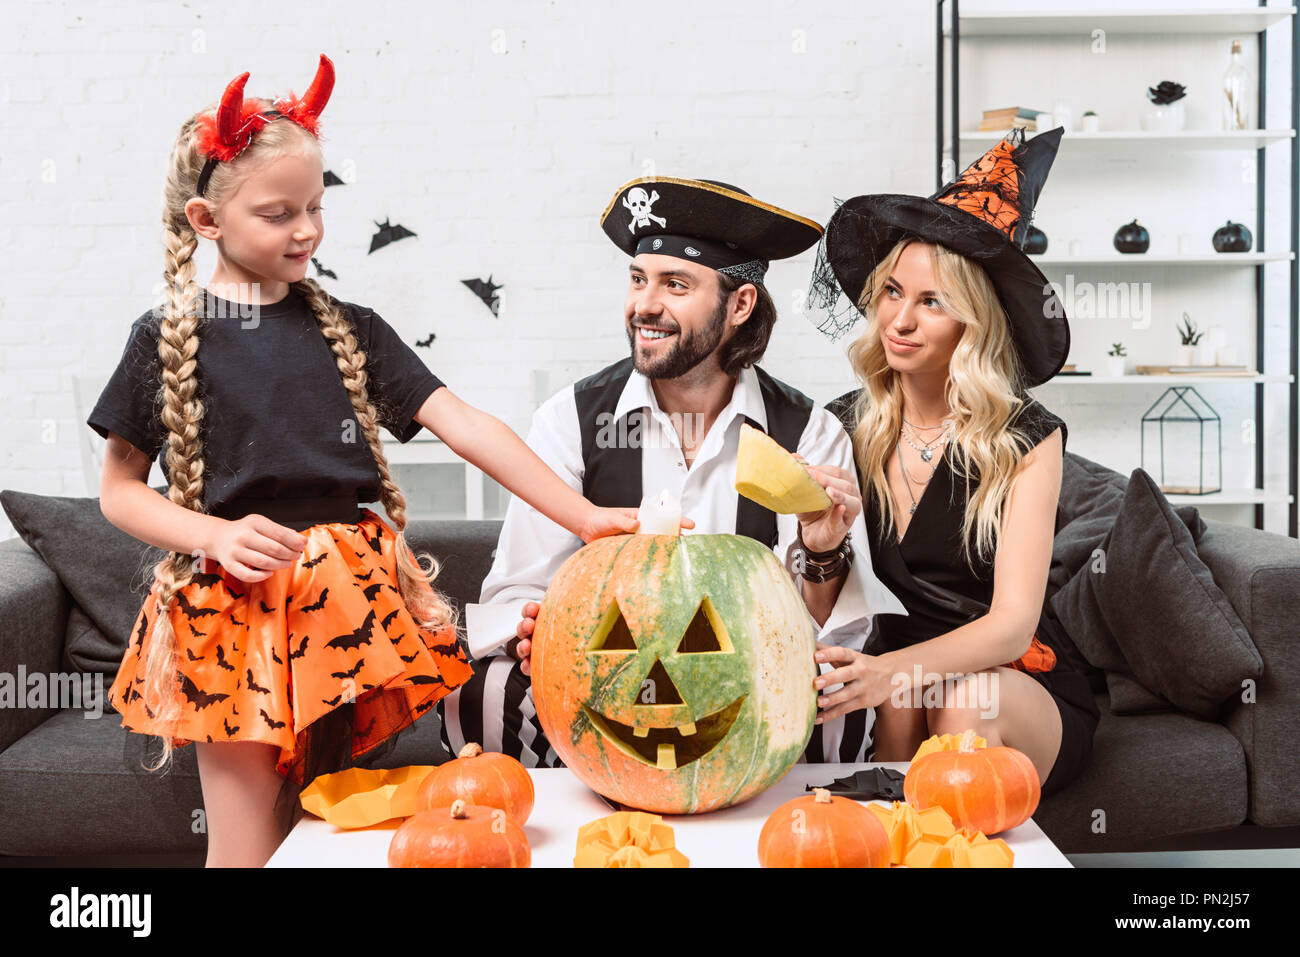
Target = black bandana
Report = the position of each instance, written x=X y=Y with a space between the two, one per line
x=722 y=256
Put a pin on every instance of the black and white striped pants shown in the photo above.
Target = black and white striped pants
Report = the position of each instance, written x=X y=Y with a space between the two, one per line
x=495 y=709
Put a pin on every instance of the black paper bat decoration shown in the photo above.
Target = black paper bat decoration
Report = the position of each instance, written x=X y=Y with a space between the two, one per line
x=254 y=686
x=486 y=290
x=221 y=659
x=387 y=234
x=316 y=561
x=321 y=270
x=357 y=638
x=197 y=697
x=190 y=610
x=267 y=718
x=351 y=672
x=332 y=179
x=302 y=648
x=426 y=343
x=885 y=783
x=319 y=603
x=427 y=680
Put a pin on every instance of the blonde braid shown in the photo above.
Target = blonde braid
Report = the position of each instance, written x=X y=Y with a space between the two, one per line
x=429 y=609
x=182 y=413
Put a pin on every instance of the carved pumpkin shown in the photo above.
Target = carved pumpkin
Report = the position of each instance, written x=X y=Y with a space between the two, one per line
x=982 y=789
x=463 y=835
x=819 y=830
x=486 y=778
x=675 y=673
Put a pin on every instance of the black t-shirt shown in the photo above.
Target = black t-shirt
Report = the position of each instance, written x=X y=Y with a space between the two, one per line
x=930 y=554
x=278 y=422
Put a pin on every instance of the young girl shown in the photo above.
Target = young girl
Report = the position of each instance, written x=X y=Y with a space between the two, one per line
x=288 y=630
x=960 y=323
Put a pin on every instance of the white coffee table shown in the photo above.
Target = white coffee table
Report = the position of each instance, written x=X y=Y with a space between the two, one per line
x=725 y=838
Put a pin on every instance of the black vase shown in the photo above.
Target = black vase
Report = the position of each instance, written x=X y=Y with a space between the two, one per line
x=1232 y=238
x=1035 y=241
x=1132 y=238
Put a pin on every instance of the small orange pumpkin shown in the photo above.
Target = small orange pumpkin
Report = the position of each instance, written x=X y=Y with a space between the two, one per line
x=818 y=830
x=982 y=789
x=486 y=778
x=463 y=835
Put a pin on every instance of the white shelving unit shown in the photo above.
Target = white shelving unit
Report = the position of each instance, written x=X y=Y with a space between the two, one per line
x=954 y=26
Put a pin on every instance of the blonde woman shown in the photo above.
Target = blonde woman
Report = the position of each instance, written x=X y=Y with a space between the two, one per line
x=287 y=630
x=960 y=468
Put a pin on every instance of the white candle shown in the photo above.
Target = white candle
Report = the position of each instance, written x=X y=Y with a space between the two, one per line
x=660 y=515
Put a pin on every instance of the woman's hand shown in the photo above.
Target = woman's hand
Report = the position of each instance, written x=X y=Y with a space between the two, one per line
x=614 y=521
x=824 y=531
x=253 y=548
x=521 y=646
x=866 y=680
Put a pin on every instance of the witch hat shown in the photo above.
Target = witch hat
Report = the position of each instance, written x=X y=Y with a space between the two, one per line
x=984 y=214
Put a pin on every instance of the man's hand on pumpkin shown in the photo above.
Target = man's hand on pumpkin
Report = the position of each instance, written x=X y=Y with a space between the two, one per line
x=866 y=681
x=824 y=531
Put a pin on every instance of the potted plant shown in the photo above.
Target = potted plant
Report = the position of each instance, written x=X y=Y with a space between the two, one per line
x=1190 y=338
x=1091 y=122
x=1164 y=112
x=1115 y=359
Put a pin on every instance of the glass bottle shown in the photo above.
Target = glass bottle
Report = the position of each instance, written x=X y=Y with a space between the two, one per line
x=1236 y=93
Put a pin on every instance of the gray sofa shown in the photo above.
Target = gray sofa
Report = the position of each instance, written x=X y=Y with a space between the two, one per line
x=72 y=786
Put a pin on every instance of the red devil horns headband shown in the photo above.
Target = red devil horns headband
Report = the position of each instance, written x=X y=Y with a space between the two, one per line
x=225 y=134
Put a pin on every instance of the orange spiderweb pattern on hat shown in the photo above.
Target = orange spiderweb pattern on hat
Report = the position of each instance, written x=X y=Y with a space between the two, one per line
x=989 y=188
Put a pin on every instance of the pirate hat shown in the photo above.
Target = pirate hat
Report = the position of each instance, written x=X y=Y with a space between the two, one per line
x=700 y=220
x=984 y=214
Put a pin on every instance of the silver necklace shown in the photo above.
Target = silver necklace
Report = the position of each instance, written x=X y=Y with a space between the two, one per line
x=907 y=479
x=926 y=450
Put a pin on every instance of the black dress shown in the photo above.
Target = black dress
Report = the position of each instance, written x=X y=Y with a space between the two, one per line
x=930 y=554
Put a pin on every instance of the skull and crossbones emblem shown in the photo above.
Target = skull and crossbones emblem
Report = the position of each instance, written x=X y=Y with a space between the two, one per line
x=638 y=204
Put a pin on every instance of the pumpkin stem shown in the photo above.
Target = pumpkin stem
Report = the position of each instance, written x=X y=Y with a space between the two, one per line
x=458 y=808
x=821 y=796
x=470 y=750
x=967 y=742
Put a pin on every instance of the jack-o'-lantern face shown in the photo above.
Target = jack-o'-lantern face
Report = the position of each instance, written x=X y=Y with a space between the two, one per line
x=674 y=674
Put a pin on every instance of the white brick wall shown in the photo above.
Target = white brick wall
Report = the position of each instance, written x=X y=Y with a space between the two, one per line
x=498 y=132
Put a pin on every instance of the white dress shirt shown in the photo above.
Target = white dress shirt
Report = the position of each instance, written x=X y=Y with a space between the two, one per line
x=532 y=548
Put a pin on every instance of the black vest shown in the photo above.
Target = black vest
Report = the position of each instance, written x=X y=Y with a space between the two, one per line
x=612 y=471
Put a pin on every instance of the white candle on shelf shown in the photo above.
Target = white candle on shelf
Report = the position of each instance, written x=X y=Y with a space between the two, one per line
x=660 y=515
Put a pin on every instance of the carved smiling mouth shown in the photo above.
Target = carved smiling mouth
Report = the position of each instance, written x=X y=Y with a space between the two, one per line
x=668 y=748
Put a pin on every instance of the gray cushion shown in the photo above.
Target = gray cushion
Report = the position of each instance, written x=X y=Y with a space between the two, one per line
x=1150 y=777
x=106 y=571
x=1129 y=697
x=1155 y=614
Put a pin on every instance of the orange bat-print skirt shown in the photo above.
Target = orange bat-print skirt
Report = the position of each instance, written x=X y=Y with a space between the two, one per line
x=261 y=661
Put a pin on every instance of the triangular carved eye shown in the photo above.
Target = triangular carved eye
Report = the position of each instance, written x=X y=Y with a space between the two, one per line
x=705 y=633
x=613 y=633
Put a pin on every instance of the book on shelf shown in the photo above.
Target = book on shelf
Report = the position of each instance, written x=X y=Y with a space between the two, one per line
x=1229 y=371
x=1010 y=112
x=1001 y=126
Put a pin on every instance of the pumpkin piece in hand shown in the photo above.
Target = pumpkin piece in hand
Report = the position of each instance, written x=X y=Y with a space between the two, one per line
x=769 y=475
